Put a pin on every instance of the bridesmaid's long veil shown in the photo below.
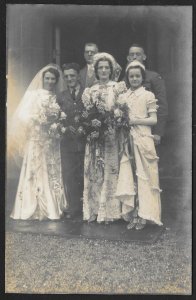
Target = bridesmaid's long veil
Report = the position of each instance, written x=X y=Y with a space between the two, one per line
x=18 y=129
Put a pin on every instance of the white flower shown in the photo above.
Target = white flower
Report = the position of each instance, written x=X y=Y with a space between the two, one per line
x=80 y=129
x=53 y=126
x=63 y=129
x=118 y=112
x=76 y=119
x=56 y=106
x=121 y=88
x=44 y=102
x=86 y=97
x=95 y=96
x=42 y=118
x=63 y=115
x=121 y=99
x=88 y=107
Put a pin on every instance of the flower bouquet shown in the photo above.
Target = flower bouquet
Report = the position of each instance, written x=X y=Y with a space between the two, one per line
x=98 y=121
x=49 y=121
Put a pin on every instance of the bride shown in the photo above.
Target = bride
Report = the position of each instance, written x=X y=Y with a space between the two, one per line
x=40 y=193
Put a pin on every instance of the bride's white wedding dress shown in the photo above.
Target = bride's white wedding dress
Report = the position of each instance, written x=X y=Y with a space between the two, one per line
x=40 y=194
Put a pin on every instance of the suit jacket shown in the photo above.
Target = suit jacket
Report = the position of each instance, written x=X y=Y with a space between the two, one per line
x=71 y=143
x=85 y=80
x=154 y=83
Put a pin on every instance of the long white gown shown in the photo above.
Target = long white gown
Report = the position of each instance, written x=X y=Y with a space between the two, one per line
x=40 y=194
x=100 y=179
x=141 y=102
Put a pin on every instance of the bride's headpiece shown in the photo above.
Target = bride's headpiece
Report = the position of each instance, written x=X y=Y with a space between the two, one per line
x=18 y=127
x=37 y=82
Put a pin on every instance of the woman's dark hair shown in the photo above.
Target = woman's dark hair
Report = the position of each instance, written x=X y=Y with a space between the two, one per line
x=134 y=67
x=97 y=64
x=53 y=71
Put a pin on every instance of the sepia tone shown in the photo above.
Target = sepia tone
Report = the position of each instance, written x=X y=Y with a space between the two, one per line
x=41 y=34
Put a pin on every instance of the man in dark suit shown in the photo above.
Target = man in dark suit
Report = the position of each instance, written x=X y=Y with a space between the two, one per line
x=87 y=74
x=72 y=145
x=154 y=83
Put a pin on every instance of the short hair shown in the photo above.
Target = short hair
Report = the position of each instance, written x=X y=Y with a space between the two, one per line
x=134 y=67
x=54 y=71
x=137 y=45
x=73 y=66
x=97 y=63
x=91 y=44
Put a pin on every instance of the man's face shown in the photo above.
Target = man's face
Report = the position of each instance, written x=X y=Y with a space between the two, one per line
x=136 y=53
x=71 y=78
x=89 y=52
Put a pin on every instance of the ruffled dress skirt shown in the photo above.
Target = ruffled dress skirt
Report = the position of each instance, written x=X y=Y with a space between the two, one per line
x=143 y=194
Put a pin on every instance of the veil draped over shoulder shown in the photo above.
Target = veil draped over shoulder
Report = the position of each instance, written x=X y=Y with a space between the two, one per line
x=19 y=125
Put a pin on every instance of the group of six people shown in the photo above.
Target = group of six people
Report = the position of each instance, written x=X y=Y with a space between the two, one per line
x=106 y=155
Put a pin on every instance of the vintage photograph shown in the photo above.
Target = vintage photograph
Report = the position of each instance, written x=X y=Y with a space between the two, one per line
x=99 y=149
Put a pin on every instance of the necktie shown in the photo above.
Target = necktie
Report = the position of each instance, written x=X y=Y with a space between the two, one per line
x=90 y=71
x=73 y=94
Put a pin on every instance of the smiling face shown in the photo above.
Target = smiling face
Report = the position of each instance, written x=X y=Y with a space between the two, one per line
x=49 y=81
x=71 y=78
x=135 y=78
x=136 y=53
x=103 y=70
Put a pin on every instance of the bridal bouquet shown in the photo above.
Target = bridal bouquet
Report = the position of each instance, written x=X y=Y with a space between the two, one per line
x=97 y=119
x=50 y=119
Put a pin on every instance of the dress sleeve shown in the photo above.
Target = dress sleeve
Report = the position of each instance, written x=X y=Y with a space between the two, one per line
x=151 y=103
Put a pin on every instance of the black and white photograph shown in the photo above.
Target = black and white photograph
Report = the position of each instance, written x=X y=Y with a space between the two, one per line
x=98 y=149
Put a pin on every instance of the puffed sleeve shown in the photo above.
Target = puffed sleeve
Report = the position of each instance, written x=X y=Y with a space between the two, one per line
x=86 y=98
x=151 y=103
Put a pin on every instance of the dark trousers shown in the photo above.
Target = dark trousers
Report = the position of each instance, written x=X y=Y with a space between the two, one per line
x=72 y=170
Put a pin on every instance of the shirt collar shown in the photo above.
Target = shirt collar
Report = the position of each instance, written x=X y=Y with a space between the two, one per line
x=90 y=66
x=137 y=92
x=77 y=88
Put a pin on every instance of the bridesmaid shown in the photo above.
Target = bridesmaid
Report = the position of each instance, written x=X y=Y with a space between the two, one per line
x=101 y=165
x=146 y=205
